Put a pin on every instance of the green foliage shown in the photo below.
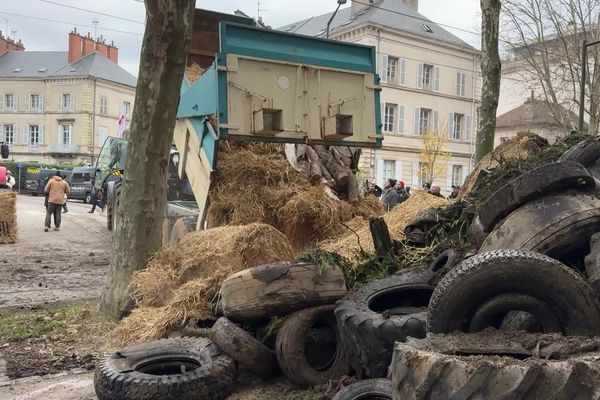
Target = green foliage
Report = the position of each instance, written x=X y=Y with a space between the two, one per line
x=20 y=326
x=12 y=167
x=272 y=328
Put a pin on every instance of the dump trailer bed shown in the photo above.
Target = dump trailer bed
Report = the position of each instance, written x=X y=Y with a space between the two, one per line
x=264 y=85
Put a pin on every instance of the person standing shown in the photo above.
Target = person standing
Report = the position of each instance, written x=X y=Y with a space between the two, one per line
x=401 y=191
x=455 y=192
x=10 y=180
x=57 y=190
x=97 y=200
x=389 y=197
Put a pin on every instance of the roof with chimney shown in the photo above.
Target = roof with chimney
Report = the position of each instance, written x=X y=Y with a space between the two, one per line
x=386 y=13
x=533 y=112
x=55 y=64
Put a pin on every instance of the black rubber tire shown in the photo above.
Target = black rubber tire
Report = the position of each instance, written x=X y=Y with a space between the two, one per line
x=368 y=389
x=531 y=185
x=291 y=348
x=279 y=289
x=480 y=366
x=446 y=260
x=556 y=225
x=243 y=348
x=87 y=199
x=478 y=233
x=520 y=321
x=368 y=334
x=584 y=152
x=116 y=204
x=126 y=374
x=481 y=290
x=182 y=227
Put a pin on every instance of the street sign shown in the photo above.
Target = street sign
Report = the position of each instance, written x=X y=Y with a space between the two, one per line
x=19 y=165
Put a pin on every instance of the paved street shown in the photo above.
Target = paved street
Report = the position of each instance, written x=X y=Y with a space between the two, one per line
x=47 y=268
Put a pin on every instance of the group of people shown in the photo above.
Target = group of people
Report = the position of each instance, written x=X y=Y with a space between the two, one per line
x=395 y=192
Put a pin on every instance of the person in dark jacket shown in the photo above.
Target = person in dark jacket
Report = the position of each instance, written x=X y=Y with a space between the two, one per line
x=401 y=191
x=435 y=190
x=455 y=192
x=374 y=190
x=389 y=196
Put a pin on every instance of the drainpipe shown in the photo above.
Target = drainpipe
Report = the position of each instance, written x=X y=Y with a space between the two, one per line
x=94 y=124
x=473 y=111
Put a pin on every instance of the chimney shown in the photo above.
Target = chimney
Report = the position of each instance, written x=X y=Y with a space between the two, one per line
x=88 y=45
x=359 y=6
x=102 y=47
x=113 y=53
x=414 y=4
x=9 y=44
x=75 y=46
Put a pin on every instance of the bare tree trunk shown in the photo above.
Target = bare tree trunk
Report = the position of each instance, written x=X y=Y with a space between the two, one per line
x=162 y=64
x=490 y=70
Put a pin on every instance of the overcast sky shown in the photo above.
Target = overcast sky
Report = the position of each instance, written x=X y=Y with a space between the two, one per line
x=44 y=24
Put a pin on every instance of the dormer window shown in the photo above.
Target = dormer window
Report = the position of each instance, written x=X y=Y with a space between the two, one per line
x=426 y=28
x=43 y=69
x=75 y=69
x=17 y=69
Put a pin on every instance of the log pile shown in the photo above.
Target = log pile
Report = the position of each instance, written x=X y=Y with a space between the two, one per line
x=333 y=166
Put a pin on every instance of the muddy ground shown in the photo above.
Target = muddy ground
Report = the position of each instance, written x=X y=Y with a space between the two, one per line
x=50 y=333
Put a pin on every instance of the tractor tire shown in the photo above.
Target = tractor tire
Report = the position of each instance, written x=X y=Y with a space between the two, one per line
x=532 y=185
x=492 y=366
x=520 y=321
x=116 y=205
x=482 y=290
x=279 y=289
x=182 y=227
x=584 y=152
x=375 y=389
x=556 y=225
x=243 y=348
x=316 y=362
x=374 y=316
x=178 y=368
x=446 y=260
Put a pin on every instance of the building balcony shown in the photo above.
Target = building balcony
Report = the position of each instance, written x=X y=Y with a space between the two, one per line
x=63 y=149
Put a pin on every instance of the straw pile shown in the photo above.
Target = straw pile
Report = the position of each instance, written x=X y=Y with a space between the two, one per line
x=193 y=72
x=8 y=217
x=184 y=283
x=523 y=145
x=397 y=219
x=255 y=183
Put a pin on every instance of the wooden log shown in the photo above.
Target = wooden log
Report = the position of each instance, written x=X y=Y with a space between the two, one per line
x=352 y=189
x=338 y=172
x=382 y=240
x=316 y=167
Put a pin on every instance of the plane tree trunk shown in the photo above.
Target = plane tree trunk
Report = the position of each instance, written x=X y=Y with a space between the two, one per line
x=162 y=64
x=490 y=71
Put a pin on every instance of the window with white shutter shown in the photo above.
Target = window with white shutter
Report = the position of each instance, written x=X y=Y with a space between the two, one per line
x=420 y=70
x=416 y=119
x=402 y=73
x=389 y=116
x=102 y=135
x=10 y=102
x=379 y=172
x=468 y=128
x=401 y=111
x=34 y=135
x=9 y=134
x=392 y=70
x=383 y=61
x=458 y=125
x=389 y=169
x=437 y=76
x=461 y=79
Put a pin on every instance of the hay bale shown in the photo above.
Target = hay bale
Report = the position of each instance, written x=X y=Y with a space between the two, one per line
x=397 y=219
x=8 y=217
x=184 y=282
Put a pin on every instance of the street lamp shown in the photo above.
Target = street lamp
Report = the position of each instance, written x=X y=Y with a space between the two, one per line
x=339 y=2
x=584 y=62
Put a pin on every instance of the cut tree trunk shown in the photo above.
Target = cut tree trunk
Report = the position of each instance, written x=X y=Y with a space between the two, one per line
x=490 y=70
x=340 y=173
x=316 y=167
x=162 y=64
x=382 y=240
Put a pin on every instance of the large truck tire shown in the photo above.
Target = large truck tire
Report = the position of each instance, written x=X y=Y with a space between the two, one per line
x=584 y=152
x=177 y=368
x=308 y=348
x=555 y=225
x=279 y=289
x=482 y=290
x=379 y=313
x=368 y=389
x=493 y=367
x=243 y=347
x=531 y=185
x=182 y=227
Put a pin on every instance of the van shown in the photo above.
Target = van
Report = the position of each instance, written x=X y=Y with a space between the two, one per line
x=81 y=184
x=36 y=179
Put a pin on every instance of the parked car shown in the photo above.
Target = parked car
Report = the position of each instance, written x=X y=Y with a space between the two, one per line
x=81 y=183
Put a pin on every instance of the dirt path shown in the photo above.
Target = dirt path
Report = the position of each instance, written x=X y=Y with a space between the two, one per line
x=49 y=268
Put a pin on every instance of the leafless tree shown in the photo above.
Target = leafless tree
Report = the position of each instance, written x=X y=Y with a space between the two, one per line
x=544 y=37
